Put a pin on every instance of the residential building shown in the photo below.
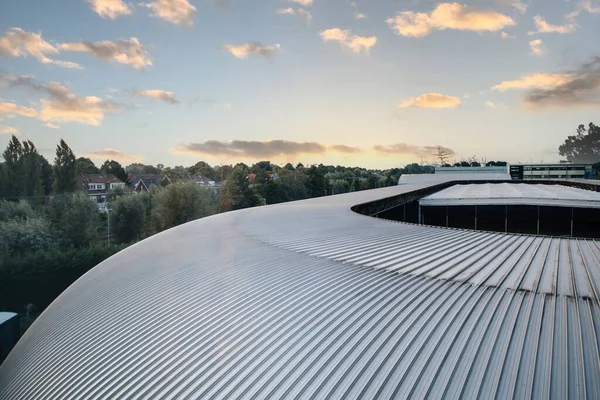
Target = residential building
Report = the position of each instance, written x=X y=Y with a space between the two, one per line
x=143 y=183
x=98 y=185
x=203 y=181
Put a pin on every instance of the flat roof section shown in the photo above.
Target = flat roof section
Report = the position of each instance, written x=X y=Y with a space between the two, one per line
x=5 y=316
x=513 y=194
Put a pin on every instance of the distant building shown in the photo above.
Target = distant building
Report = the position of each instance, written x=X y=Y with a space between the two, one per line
x=552 y=171
x=471 y=170
x=203 y=181
x=143 y=183
x=98 y=185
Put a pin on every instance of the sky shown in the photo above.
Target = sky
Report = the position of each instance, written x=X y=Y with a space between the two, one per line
x=376 y=84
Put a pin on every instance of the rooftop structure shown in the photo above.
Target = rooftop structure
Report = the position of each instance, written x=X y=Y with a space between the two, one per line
x=9 y=332
x=463 y=175
x=311 y=299
x=552 y=171
x=471 y=170
x=509 y=193
x=143 y=183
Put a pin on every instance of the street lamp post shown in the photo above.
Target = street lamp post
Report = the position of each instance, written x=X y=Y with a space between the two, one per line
x=108 y=224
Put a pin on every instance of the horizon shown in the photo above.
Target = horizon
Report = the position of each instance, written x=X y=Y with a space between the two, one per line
x=335 y=82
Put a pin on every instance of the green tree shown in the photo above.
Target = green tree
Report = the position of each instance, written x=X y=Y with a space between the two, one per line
x=127 y=218
x=47 y=175
x=16 y=210
x=65 y=169
x=113 y=167
x=77 y=217
x=23 y=171
x=204 y=169
x=135 y=168
x=236 y=193
x=86 y=166
x=32 y=168
x=288 y=190
x=584 y=146
x=13 y=170
x=150 y=170
x=180 y=203
x=223 y=172
x=316 y=185
x=22 y=236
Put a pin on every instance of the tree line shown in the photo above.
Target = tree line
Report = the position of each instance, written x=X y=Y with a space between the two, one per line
x=51 y=231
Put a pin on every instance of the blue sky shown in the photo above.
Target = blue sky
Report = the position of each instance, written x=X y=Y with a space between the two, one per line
x=177 y=81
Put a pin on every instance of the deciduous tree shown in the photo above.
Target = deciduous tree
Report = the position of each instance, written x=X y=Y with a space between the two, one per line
x=113 y=167
x=65 y=169
x=86 y=166
x=584 y=146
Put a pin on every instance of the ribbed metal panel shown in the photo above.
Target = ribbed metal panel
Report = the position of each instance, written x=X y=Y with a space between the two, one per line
x=310 y=300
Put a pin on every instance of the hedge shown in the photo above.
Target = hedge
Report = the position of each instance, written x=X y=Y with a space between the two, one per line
x=38 y=278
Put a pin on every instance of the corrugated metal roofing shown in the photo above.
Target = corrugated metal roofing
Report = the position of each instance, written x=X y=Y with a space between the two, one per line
x=510 y=193
x=5 y=316
x=310 y=300
x=448 y=176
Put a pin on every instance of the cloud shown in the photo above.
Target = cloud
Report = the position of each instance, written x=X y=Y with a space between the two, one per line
x=302 y=2
x=179 y=12
x=19 y=43
x=341 y=148
x=538 y=81
x=302 y=13
x=110 y=8
x=12 y=109
x=358 y=16
x=544 y=27
x=586 y=5
x=163 y=95
x=490 y=104
x=519 y=5
x=243 y=51
x=355 y=43
x=64 y=106
x=286 y=11
x=505 y=35
x=253 y=149
x=125 y=51
x=8 y=130
x=61 y=105
x=448 y=16
x=112 y=154
x=50 y=125
x=409 y=149
x=431 y=100
x=536 y=47
x=582 y=89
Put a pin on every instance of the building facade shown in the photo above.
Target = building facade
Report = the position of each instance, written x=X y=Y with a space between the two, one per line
x=97 y=187
x=552 y=171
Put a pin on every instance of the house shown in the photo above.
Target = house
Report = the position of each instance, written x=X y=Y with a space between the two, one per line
x=98 y=185
x=202 y=181
x=142 y=183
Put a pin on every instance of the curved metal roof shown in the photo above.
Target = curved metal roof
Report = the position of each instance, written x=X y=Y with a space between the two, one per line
x=311 y=300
